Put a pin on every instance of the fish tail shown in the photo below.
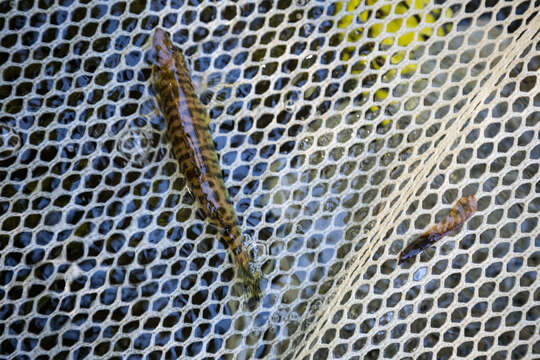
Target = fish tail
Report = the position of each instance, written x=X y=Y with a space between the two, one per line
x=251 y=279
x=250 y=276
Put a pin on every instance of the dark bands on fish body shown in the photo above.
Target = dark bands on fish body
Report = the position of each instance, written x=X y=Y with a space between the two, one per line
x=194 y=149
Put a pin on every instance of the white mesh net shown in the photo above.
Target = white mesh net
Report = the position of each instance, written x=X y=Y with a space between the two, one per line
x=344 y=129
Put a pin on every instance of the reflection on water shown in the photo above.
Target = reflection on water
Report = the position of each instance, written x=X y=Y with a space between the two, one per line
x=135 y=145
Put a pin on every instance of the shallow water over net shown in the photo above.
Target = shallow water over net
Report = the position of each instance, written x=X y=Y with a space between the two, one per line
x=345 y=130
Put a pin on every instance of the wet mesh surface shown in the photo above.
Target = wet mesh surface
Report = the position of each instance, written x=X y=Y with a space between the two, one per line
x=344 y=130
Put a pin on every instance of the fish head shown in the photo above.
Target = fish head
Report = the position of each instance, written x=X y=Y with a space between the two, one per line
x=165 y=55
x=163 y=49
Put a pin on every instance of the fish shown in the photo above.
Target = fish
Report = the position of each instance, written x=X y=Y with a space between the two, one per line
x=458 y=215
x=193 y=147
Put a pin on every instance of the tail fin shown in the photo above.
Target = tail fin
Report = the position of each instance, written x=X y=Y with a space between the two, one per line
x=251 y=279
x=250 y=276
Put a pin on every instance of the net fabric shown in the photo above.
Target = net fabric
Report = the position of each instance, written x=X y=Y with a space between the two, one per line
x=480 y=298
x=382 y=311
x=329 y=118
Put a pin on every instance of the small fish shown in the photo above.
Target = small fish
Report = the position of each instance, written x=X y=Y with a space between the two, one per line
x=464 y=208
x=193 y=147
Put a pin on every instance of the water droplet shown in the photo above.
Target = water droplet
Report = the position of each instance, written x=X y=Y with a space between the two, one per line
x=253 y=268
x=256 y=249
x=370 y=225
x=329 y=206
x=10 y=141
x=280 y=316
x=247 y=240
x=291 y=100
x=307 y=322
x=386 y=159
x=364 y=131
x=306 y=143
x=315 y=306
x=294 y=317
x=135 y=145
x=289 y=105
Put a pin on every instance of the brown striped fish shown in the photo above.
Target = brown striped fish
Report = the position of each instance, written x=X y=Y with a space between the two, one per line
x=458 y=215
x=194 y=149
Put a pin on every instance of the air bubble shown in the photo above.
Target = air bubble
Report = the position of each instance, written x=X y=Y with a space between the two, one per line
x=305 y=324
x=266 y=68
x=252 y=268
x=291 y=100
x=281 y=315
x=10 y=141
x=289 y=105
x=135 y=146
x=306 y=143
x=307 y=30
x=302 y=2
x=247 y=240
x=256 y=249
x=315 y=306
x=294 y=317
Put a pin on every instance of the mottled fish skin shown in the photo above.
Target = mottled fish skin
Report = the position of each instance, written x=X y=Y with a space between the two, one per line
x=458 y=215
x=194 y=149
